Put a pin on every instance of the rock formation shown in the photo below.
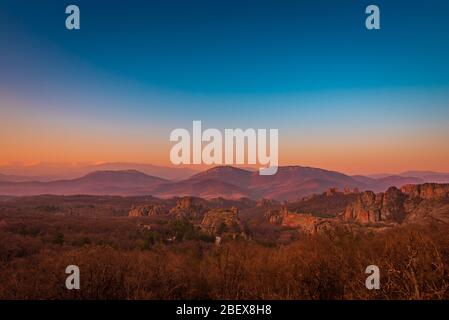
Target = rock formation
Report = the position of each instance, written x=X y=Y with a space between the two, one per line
x=189 y=208
x=394 y=205
x=371 y=207
x=147 y=210
x=264 y=203
x=331 y=191
x=426 y=191
x=222 y=221
x=305 y=222
x=275 y=216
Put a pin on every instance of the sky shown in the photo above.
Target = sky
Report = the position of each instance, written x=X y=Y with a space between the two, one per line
x=343 y=97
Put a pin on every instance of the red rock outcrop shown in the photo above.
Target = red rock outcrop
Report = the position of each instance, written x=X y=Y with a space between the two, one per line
x=426 y=190
x=266 y=203
x=331 y=191
x=305 y=222
x=222 y=221
x=147 y=210
x=189 y=207
x=394 y=205
x=365 y=209
x=274 y=216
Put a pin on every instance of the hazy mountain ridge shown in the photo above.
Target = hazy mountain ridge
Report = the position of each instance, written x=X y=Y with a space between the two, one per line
x=290 y=183
x=65 y=171
x=128 y=182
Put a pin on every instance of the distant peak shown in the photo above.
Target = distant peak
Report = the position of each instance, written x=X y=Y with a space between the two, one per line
x=120 y=173
x=111 y=172
x=224 y=169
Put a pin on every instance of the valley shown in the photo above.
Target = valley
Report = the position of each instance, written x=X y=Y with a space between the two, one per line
x=145 y=247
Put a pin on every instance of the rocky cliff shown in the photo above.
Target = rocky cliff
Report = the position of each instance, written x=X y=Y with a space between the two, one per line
x=398 y=205
x=305 y=222
x=222 y=221
x=189 y=207
x=432 y=191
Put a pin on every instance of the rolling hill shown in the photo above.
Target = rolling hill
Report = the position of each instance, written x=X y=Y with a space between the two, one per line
x=128 y=182
x=290 y=183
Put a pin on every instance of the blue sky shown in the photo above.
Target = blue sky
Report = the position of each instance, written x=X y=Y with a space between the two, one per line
x=307 y=67
x=234 y=47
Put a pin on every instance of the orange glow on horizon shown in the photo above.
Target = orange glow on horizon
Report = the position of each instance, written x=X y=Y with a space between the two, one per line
x=33 y=139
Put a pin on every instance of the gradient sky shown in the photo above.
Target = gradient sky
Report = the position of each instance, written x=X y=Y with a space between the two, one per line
x=343 y=97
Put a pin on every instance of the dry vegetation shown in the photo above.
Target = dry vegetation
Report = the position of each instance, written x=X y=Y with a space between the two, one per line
x=120 y=258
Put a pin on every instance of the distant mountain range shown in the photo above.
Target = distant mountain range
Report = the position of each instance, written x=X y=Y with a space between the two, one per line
x=62 y=171
x=428 y=176
x=16 y=178
x=129 y=182
x=290 y=183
